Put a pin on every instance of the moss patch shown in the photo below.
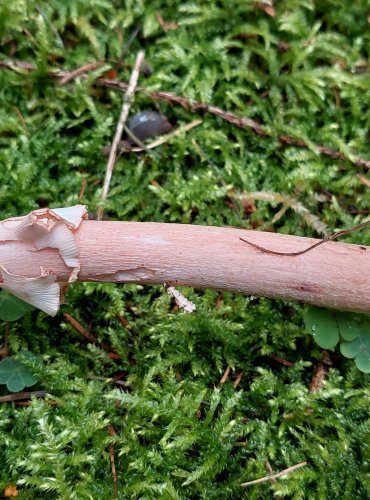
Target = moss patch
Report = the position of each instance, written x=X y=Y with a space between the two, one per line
x=300 y=69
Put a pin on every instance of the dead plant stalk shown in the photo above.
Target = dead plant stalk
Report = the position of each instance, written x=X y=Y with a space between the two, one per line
x=127 y=101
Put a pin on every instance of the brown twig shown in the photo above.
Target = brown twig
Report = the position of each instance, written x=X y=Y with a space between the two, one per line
x=238 y=379
x=271 y=472
x=81 y=71
x=4 y=351
x=191 y=105
x=124 y=322
x=113 y=380
x=333 y=153
x=197 y=106
x=225 y=375
x=83 y=188
x=274 y=476
x=281 y=360
x=318 y=379
x=321 y=370
x=363 y=179
x=91 y=338
x=127 y=101
x=23 y=395
x=21 y=117
x=30 y=36
x=311 y=247
x=13 y=64
x=235 y=120
x=28 y=403
x=112 y=432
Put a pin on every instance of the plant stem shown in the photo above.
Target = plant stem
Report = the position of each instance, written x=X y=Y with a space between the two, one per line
x=127 y=101
x=275 y=476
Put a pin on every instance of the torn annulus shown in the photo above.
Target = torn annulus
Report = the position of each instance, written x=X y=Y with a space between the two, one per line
x=45 y=228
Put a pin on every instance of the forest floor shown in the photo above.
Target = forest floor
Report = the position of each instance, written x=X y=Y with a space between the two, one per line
x=132 y=397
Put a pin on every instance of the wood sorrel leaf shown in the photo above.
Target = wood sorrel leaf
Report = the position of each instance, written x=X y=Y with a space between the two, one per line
x=15 y=374
x=12 y=308
x=322 y=325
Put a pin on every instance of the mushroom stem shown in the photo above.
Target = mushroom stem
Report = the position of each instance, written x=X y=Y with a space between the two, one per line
x=334 y=275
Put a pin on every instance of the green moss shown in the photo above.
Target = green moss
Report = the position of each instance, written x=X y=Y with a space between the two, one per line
x=179 y=432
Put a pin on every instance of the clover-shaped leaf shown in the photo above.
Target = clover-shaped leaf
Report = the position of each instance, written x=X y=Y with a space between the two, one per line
x=351 y=349
x=328 y=327
x=348 y=326
x=359 y=348
x=321 y=323
x=12 y=308
x=15 y=374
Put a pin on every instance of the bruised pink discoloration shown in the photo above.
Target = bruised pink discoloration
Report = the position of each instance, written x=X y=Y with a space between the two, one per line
x=305 y=287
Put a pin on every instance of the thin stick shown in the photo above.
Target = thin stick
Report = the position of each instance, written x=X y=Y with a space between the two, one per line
x=123 y=321
x=275 y=476
x=83 y=188
x=238 y=379
x=318 y=379
x=269 y=196
x=301 y=252
x=162 y=139
x=281 y=360
x=20 y=116
x=30 y=36
x=135 y=139
x=363 y=179
x=90 y=337
x=131 y=38
x=23 y=395
x=4 y=351
x=127 y=101
x=241 y=122
x=167 y=137
x=269 y=468
x=82 y=70
x=225 y=375
x=112 y=432
x=235 y=120
x=109 y=380
x=198 y=106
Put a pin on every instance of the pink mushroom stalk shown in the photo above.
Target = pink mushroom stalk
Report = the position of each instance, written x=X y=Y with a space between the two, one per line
x=41 y=252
